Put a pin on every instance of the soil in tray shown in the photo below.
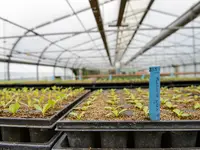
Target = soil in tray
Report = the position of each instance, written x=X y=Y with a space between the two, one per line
x=182 y=103
x=34 y=103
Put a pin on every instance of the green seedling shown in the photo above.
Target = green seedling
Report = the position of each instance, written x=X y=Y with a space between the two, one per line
x=139 y=90
x=196 y=105
x=13 y=108
x=112 y=102
x=170 y=105
x=196 y=97
x=118 y=113
x=139 y=105
x=4 y=104
x=52 y=103
x=175 y=97
x=88 y=103
x=163 y=101
x=131 y=97
x=180 y=113
x=115 y=111
x=76 y=115
x=84 y=108
x=146 y=110
x=43 y=109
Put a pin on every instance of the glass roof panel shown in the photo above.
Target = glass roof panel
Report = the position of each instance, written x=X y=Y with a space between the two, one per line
x=33 y=12
x=31 y=44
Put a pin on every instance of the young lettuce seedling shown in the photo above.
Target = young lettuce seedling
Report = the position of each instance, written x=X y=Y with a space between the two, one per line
x=139 y=105
x=170 y=105
x=43 y=109
x=13 y=108
x=146 y=110
x=116 y=111
x=76 y=115
x=180 y=113
x=163 y=101
x=197 y=106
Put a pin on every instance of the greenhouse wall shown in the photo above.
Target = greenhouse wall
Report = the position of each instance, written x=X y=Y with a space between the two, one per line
x=3 y=72
x=45 y=73
x=22 y=72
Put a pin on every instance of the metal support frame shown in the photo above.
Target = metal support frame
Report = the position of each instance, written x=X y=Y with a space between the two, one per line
x=37 y=27
x=97 y=14
x=181 y=21
x=135 y=32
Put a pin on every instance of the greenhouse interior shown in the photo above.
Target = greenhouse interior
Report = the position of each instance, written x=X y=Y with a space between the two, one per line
x=99 y=74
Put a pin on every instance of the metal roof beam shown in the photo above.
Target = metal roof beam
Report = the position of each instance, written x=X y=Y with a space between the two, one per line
x=121 y=11
x=97 y=14
x=27 y=63
x=185 y=18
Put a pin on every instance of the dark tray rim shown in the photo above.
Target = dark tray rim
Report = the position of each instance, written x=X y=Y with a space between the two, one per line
x=39 y=122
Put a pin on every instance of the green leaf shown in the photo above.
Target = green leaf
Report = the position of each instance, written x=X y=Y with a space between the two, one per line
x=13 y=108
x=116 y=113
x=52 y=103
x=123 y=110
x=197 y=106
x=88 y=103
x=163 y=101
x=139 y=105
x=170 y=105
x=37 y=107
x=80 y=115
x=45 y=108
x=73 y=114
x=178 y=112
x=3 y=104
x=108 y=108
x=185 y=115
x=146 y=110
x=84 y=108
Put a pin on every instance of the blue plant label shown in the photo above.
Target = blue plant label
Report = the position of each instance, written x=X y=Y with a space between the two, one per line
x=80 y=77
x=154 y=93
x=142 y=77
x=172 y=74
x=110 y=77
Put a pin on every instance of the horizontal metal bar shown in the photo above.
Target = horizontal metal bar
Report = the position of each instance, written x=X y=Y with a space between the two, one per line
x=79 y=32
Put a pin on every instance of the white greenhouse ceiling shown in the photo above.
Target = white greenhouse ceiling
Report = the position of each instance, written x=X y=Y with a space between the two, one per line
x=99 y=33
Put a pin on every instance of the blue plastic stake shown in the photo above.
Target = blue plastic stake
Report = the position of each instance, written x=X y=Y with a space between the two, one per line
x=142 y=77
x=110 y=77
x=172 y=74
x=80 y=77
x=154 y=93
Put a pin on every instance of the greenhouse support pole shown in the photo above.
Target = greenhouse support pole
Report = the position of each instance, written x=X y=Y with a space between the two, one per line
x=37 y=72
x=65 y=78
x=54 y=71
x=8 y=70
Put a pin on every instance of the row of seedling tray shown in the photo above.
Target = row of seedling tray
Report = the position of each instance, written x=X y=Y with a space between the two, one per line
x=28 y=116
x=100 y=119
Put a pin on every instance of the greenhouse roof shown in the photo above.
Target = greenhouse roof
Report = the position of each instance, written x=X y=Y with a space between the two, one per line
x=99 y=33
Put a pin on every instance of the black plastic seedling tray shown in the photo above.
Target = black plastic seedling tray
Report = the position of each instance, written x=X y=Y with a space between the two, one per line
x=38 y=122
x=116 y=134
x=30 y=146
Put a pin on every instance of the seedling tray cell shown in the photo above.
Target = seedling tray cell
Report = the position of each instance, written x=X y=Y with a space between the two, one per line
x=62 y=144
